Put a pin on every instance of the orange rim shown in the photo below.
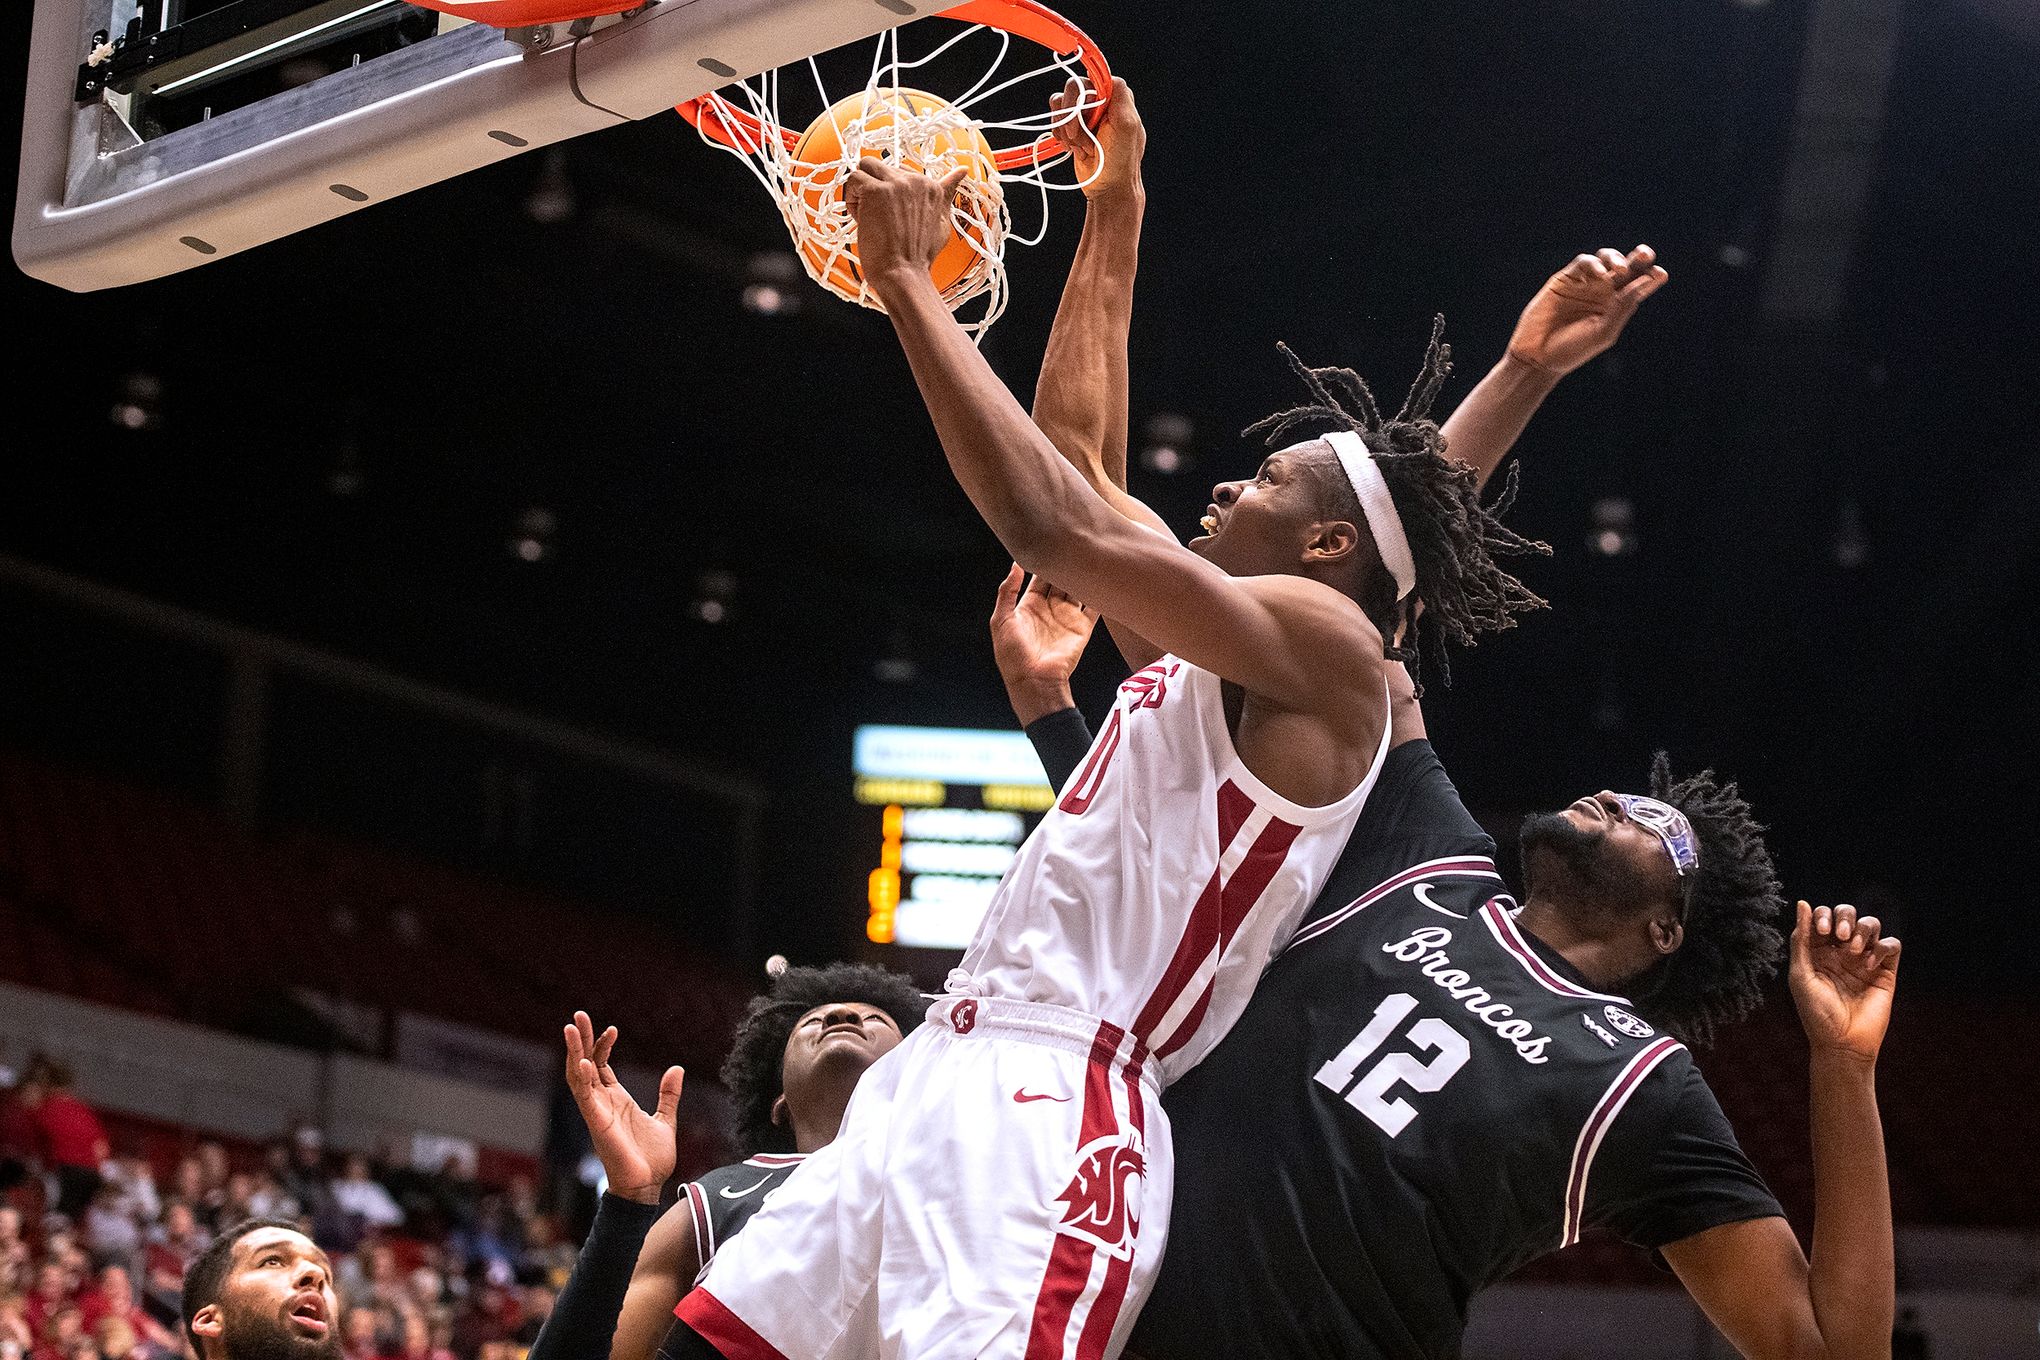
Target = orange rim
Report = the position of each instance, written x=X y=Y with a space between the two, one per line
x=1022 y=18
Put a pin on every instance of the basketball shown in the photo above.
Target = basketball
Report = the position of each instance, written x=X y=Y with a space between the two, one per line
x=862 y=122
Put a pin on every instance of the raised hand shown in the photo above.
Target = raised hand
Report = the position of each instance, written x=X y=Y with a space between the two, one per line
x=903 y=219
x=1844 y=972
x=1581 y=310
x=638 y=1150
x=1038 y=636
x=1107 y=158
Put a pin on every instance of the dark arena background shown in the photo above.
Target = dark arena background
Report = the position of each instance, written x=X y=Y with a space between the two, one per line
x=421 y=626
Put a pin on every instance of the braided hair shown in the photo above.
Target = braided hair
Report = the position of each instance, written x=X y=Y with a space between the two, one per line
x=753 y=1071
x=1454 y=539
x=1733 y=903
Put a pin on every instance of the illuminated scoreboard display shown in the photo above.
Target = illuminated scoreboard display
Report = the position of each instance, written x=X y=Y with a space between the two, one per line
x=954 y=804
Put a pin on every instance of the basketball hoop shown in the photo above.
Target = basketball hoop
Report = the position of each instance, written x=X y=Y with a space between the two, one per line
x=804 y=165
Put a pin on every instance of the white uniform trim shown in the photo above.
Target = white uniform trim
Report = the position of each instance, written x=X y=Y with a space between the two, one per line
x=1506 y=932
x=1597 y=1126
x=1454 y=866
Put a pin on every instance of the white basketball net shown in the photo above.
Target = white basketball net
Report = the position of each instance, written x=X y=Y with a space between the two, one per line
x=894 y=128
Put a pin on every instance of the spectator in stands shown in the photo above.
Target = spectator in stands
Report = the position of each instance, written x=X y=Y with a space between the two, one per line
x=361 y=1333
x=15 y=1267
x=362 y=1199
x=62 y=1329
x=14 y=1328
x=129 y=1173
x=115 y=1298
x=262 y=1291
x=52 y=1291
x=70 y=1139
x=425 y=1336
x=209 y=1195
x=173 y=1245
x=113 y=1339
x=537 y=1303
x=547 y=1255
x=112 y=1232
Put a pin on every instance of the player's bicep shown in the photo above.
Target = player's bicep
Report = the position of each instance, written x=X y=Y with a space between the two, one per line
x=1290 y=641
x=666 y=1267
x=1751 y=1279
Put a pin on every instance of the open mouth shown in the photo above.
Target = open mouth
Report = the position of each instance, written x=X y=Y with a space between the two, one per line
x=1209 y=521
x=309 y=1314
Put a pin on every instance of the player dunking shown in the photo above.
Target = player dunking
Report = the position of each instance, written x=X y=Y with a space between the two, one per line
x=1001 y=1184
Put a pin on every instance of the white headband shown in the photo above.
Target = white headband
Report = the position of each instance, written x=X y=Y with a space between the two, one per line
x=1379 y=507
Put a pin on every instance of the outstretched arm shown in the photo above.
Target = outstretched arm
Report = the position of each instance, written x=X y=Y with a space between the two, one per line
x=1297 y=645
x=1578 y=314
x=1751 y=1278
x=1081 y=397
x=638 y=1153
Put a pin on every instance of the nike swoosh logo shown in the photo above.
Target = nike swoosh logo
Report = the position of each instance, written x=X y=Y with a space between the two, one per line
x=1023 y=1097
x=728 y=1193
x=1423 y=894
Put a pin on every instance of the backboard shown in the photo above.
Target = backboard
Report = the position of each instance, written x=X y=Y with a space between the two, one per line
x=166 y=134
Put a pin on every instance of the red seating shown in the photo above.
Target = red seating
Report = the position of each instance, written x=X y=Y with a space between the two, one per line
x=140 y=899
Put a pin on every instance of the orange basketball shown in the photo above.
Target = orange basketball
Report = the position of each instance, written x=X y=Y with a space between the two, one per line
x=822 y=145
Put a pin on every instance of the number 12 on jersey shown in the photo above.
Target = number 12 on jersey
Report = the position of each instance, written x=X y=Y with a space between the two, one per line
x=1370 y=1095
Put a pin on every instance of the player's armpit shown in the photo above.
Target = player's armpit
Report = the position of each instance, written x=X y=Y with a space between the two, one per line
x=665 y=1270
x=1752 y=1281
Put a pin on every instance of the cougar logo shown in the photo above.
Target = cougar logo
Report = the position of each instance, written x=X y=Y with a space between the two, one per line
x=963 y=1016
x=1102 y=1203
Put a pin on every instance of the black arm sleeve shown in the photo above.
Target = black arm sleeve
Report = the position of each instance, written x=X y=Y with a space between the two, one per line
x=583 y=1321
x=1060 y=739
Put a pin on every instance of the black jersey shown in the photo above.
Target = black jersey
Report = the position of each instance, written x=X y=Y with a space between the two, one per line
x=724 y=1200
x=1419 y=1099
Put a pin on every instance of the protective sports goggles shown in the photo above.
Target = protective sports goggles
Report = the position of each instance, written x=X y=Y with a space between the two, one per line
x=1669 y=825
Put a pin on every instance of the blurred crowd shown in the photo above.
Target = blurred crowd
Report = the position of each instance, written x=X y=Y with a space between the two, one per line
x=94 y=1243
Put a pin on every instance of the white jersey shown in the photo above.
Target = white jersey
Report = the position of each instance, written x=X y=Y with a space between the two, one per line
x=1164 y=880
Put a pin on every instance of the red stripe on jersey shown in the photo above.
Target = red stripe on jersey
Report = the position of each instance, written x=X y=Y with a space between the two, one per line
x=1084 y=787
x=1234 y=807
x=1190 y=951
x=724 y=1330
x=1239 y=897
x=1069 y=1260
x=1611 y=1103
x=704 y=1224
x=1104 y=1314
x=1206 y=927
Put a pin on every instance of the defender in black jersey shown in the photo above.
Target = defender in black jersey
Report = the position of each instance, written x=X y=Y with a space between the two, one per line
x=797 y=1057
x=1424 y=1095
x=1433 y=1085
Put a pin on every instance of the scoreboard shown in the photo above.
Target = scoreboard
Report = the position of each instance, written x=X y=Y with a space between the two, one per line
x=953 y=805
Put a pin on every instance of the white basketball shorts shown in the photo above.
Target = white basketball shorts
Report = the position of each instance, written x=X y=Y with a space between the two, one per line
x=1000 y=1189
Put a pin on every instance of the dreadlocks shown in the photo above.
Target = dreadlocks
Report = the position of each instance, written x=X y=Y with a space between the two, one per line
x=1732 y=944
x=752 y=1071
x=1454 y=540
